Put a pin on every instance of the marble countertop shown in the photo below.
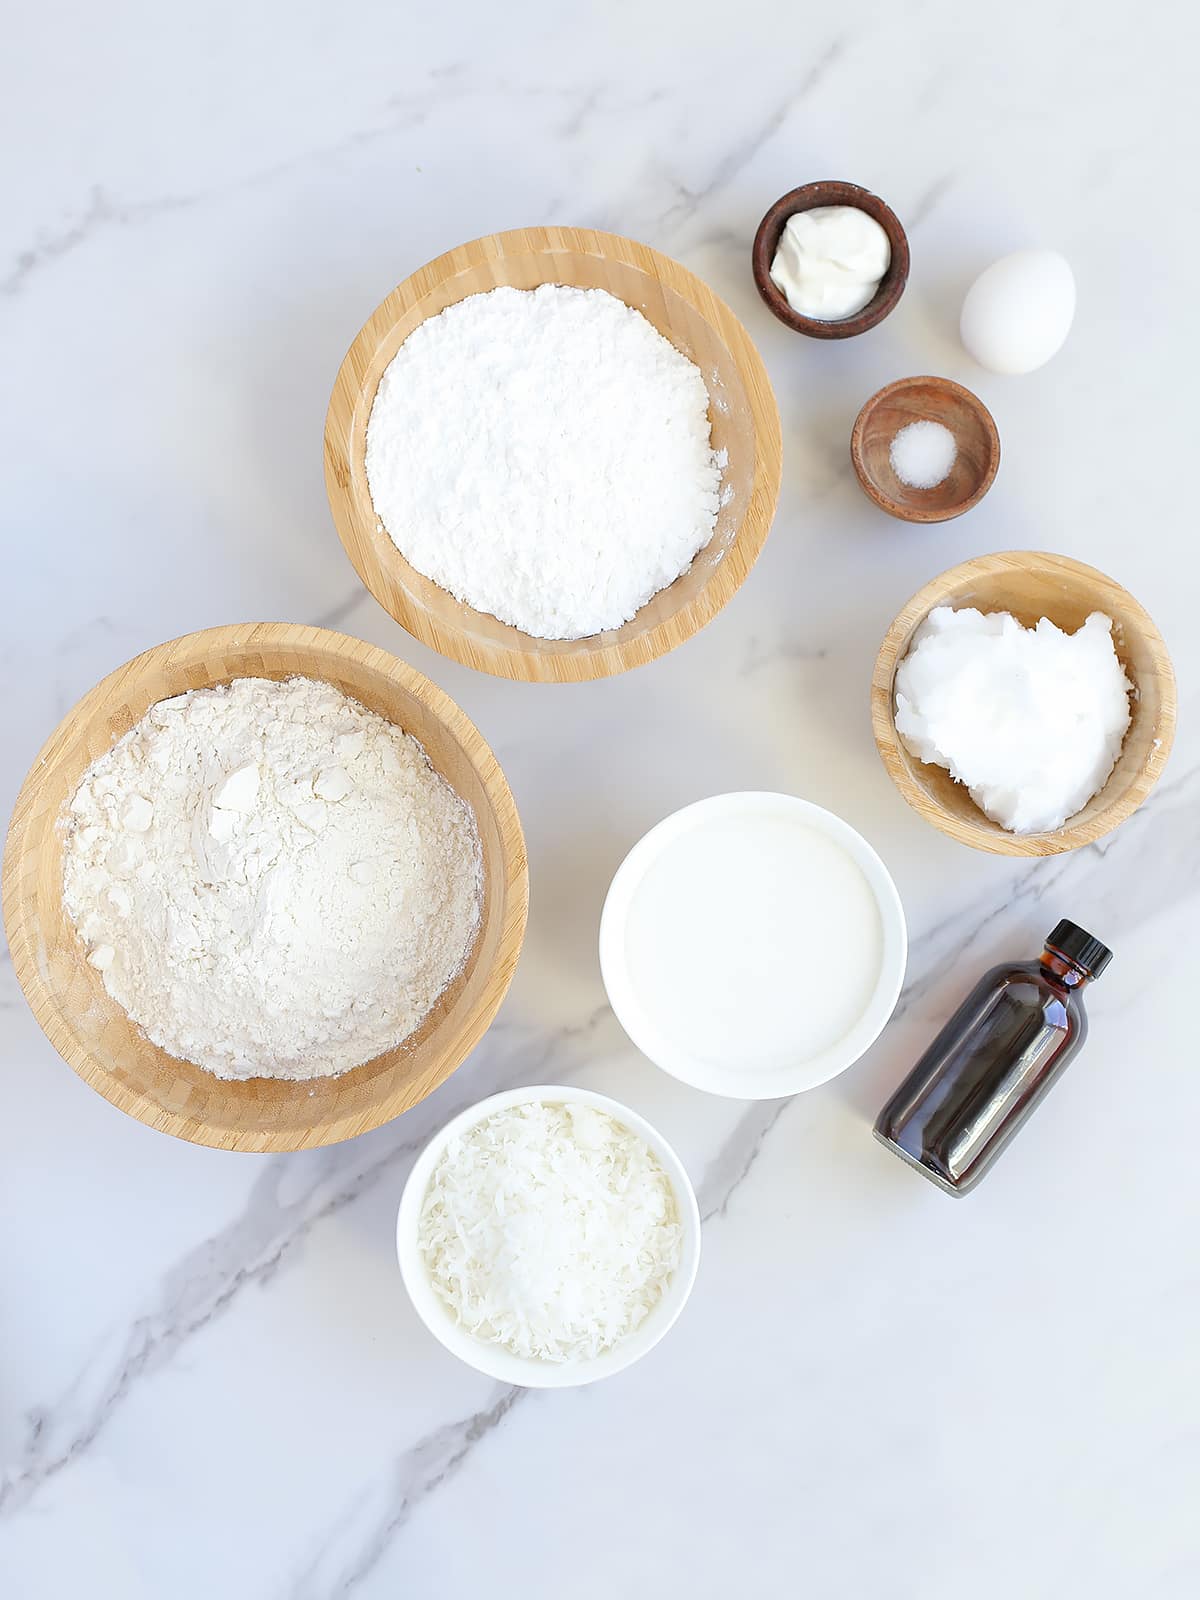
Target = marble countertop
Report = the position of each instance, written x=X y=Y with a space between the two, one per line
x=211 y=1382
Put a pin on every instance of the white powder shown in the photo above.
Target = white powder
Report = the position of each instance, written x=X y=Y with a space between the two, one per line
x=273 y=880
x=922 y=454
x=549 y=1229
x=545 y=455
x=1030 y=719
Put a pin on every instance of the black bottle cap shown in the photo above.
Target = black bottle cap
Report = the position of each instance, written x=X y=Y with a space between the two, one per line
x=1074 y=942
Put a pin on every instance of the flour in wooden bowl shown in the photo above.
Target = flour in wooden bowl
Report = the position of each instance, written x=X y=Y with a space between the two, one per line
x=272 y=880
x=545 y=455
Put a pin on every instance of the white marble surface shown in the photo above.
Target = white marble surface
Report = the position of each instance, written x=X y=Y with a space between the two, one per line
x=210 y=1380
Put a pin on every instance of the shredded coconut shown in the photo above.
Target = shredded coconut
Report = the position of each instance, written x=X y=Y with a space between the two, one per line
x=1030 y=719
x=551 y=1230
x=545 y=455
x=272 y=880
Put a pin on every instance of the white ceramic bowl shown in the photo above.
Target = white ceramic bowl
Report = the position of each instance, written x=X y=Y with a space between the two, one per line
x=745 y=1082
x=493 y=1359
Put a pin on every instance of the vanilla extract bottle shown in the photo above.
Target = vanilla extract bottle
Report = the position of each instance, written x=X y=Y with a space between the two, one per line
x=993 y=1062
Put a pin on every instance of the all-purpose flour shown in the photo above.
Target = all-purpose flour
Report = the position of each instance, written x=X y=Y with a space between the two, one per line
x=273 y=880
x=545 y=455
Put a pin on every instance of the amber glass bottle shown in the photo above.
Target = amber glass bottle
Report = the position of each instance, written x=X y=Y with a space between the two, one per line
x=993 y=1061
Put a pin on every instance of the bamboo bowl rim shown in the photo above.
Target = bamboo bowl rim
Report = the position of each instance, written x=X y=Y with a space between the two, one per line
x=1153 y=705
x=257 y=1114
x=475 y=638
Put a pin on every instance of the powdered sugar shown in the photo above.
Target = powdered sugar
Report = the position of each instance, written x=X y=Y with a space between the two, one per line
x=545 y=455
x=273 y=880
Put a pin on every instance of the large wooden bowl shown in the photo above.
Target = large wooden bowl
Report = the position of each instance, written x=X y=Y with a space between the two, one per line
x=1032 y=585
x=92 y=1032
x=743 y=414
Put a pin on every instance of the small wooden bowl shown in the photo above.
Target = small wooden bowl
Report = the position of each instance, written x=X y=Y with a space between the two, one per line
x=93 y=1034
x=807 y=198
x=1031 y=584
x=920 y=400
x=743 y=414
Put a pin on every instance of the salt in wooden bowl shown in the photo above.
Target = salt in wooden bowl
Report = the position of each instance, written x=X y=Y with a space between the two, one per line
x=742 y=413
x=925 y=399
x=1032 y=584
x=91 y=1031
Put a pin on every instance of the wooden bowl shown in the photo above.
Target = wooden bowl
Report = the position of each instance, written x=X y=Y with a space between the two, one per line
x=743 y=413
x=1031 y=585
x=919 y=400
x=93 y=1034
x=807 y=198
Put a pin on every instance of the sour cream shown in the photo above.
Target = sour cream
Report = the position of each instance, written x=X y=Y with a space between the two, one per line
x=830 y=261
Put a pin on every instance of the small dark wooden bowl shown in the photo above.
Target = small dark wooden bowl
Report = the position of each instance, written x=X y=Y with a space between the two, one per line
x=934 y=400
x=806 y=198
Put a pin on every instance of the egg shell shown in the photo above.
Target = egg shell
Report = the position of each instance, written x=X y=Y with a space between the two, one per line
x=1018 y=312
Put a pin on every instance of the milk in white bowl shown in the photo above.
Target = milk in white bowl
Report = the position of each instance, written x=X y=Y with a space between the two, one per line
x=753 y=945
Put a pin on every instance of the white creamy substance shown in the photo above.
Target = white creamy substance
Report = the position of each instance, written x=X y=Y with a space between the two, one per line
x=1031 y=720
x=830 y=261
x=273 y=880
x=545 y=456
x=753 y=940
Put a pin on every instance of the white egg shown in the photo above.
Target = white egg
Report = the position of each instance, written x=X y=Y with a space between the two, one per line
x=1019 y=311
